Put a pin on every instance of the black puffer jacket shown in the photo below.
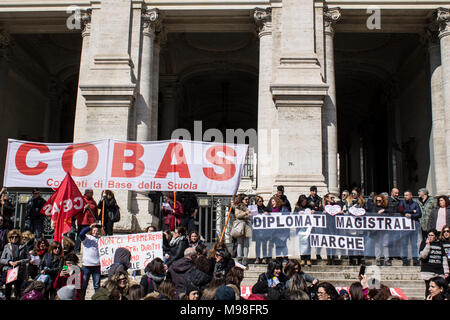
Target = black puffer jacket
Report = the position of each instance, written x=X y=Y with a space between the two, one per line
x=223 y=267
x=198 y=279
x=178 y=271
x=176 y=252
x=122 y=258
x=51 y=265
x=262 y=285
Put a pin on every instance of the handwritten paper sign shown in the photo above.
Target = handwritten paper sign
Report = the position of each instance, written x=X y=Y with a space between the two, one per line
x=144 y=247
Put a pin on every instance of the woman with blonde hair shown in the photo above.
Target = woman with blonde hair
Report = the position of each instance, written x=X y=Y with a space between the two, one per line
x=380 y=238
x=242 y=214
x=14 y=255
x=354 y=200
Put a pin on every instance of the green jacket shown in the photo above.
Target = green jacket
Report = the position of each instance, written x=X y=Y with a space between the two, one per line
x=426 y=210
x=101 y=294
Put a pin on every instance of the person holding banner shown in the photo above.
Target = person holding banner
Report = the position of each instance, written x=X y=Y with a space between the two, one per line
x=7 y=210
x=261 y=237
x=88 y=216
x=242 y=214
x=410 y=209
x=281 y=235
x=171 y=212
x=354 y=200
x=303 y=233
x=14 y=255
x=381 y=237
x=3 y=233
x=109 y=216
x=329 y=200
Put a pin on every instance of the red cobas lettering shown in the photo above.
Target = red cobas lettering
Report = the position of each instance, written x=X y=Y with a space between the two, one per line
x=91 y=163
x=21 y=159
x=228 y=166
x=119 y=159
x=180 y=166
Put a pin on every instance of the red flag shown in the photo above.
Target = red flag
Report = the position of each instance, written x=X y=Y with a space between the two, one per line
x=66 y=202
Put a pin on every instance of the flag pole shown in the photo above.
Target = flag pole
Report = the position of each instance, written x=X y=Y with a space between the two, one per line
x=174 y=206
x=228 y=217
x=103 y=208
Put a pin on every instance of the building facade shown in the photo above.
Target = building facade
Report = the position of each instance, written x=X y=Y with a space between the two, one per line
x=339 y=93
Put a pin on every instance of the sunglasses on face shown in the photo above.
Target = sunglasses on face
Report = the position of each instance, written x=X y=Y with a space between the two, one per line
x=123 y=280
x=446 y=231
x=14 y=237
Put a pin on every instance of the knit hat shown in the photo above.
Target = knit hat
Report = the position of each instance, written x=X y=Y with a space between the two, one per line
x=33 y=295
x=225 y=293
x=67 y=292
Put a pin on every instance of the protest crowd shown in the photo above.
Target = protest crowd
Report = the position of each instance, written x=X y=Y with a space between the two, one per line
x=191 y=269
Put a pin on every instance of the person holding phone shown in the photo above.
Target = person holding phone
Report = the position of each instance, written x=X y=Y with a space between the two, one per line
x=433 y=259
x=70 y=274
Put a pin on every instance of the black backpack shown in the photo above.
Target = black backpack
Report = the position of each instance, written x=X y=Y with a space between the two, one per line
x=114 y=216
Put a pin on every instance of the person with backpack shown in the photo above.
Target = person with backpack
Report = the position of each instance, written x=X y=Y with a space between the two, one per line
x=111 y=213
x=154 y=275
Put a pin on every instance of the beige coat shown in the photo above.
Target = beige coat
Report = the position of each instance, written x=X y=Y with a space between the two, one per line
x=240 y=212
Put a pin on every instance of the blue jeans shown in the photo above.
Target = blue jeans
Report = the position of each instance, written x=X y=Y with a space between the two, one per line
x=95 y=272
x=261 y=244
x=37 y=227
x=410 y=238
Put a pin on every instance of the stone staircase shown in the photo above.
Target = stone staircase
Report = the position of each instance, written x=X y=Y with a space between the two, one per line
x=395 y=276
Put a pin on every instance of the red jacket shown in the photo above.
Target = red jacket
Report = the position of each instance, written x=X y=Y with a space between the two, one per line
x=61 y=281
x=86 y=218
x=171 y=215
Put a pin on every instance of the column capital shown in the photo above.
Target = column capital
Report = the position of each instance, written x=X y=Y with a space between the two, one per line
x=263 y=21
x=152 y=19
x=86 y=23
x=443 y=19
x=330 y=17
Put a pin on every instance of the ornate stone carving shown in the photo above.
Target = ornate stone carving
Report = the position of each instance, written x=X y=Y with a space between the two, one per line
x=330 y=17
x=86 y=22
x=443 y=19
x=263 y=20
x=151 y=22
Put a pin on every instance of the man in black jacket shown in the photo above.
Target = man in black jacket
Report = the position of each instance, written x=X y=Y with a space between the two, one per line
x=280 y=194
x=394 y=236
x=178 y=271
x=314 y=201
x=34 y=217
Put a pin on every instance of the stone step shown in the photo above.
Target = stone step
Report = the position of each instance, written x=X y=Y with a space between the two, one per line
x=383 y=269
x=349 y=275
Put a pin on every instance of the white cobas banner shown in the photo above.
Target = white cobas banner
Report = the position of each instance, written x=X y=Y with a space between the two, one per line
x=172 y=165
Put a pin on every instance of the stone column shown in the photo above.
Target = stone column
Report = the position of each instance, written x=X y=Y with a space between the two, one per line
x=299 y=91
x=438 y=146
x=169 y=89
x=443 y=18
x=79 y=134
x=144 y=99
x=266 y=108
x=331 y=16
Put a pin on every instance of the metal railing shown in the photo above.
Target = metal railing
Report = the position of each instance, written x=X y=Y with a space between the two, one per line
x=19 y=201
